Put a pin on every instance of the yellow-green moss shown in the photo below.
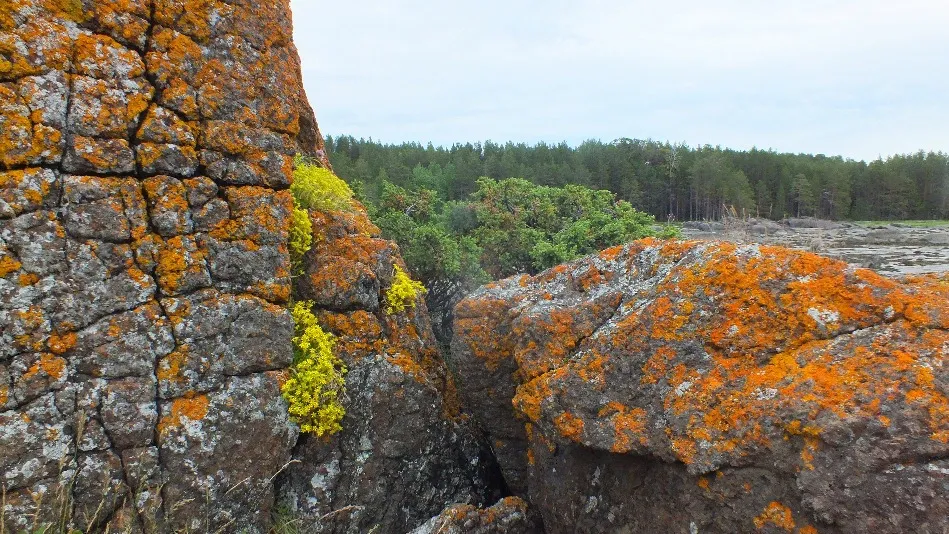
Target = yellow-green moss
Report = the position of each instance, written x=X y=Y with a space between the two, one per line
x=403 y=292
x=316 y=188
x=301 y=235
x=316 y=383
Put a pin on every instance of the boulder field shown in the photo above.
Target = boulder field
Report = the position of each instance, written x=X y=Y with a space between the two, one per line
x=146 y=154
x=713 y=387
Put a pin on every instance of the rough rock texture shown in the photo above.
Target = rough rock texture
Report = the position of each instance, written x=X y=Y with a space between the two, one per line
x=711 y=387
x=508 y=516
x=146 y=149
x=404 y=452
x=145 y=152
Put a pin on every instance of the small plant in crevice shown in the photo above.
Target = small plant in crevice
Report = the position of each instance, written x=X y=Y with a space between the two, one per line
x=316 y=188
x=316 y=385
x=301 y=236
x=403 y=292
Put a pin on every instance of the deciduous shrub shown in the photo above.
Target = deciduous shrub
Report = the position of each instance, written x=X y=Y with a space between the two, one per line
x=316 y=385
x=403 y=292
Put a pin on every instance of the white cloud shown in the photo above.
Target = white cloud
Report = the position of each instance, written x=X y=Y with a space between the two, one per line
x=858 y=78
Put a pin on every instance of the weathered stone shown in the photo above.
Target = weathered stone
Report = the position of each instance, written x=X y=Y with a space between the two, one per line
x=154 y=158
x=168 y=206
x=508 y=516
x=126 y=282
x=143 y=325
x=123 y=345
x=397 y=461
x=404 y=452
x=711 y=387
x=218 y=336
x=224 y=447
x=98 y=156
x=349 y=267
x=27 y=190
x=98 y=491
x=339 y=284
x=35 y=441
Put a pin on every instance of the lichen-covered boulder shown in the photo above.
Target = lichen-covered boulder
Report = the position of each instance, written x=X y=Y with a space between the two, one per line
x=711 y=387
x=405 y=451
x=507 y=516
x=145 y=152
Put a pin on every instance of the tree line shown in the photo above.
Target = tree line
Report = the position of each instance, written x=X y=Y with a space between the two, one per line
x=668 y=181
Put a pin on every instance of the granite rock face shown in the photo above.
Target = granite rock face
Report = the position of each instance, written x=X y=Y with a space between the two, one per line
x=711 y=387
x=405 y=451
x=145 y=152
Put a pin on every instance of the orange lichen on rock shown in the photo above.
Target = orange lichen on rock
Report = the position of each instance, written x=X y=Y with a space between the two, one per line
x=171 y=367
x=60 y=344
x=776 y=514
x=530 y=396
x=717 y=357
x=109 y=274
x=559 y=329
x=8 y=265
x=629 y=424
x=772 y=344
x=23 y=190
x=48 y=365
x=28 y=279
x=357 y=333
x=570 y=426
x=480 y=319
x=180 y=262
x=190 y=408
x=408 y=365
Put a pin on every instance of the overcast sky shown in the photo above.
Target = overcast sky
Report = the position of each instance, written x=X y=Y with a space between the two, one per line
x=858 y=78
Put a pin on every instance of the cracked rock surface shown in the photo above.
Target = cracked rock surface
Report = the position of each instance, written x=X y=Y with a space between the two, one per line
x=405 y=451
x=714 y=387
x=145 y=149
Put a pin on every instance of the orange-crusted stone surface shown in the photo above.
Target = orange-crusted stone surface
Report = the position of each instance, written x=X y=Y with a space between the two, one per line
x=145 y=152
x=674 y=386
x=405 y=450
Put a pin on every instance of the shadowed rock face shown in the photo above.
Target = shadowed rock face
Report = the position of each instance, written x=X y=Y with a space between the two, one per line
x=146 y=149
x=711 y=387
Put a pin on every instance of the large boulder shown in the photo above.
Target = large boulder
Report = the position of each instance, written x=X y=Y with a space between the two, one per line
x=146 y=150
x=714 y=387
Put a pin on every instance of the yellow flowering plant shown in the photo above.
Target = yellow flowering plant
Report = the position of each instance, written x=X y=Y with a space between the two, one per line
x=403 y=292
x=316 y=384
